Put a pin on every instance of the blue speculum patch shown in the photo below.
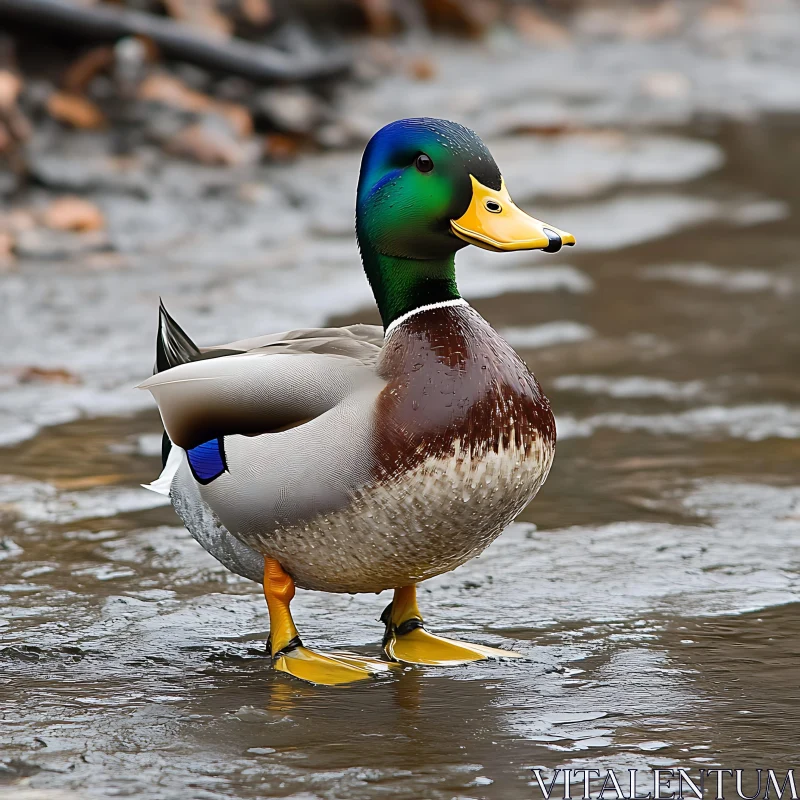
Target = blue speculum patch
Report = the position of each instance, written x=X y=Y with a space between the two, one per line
x=207 y=460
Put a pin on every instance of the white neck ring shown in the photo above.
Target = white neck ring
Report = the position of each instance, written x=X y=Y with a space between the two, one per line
x=392 y=327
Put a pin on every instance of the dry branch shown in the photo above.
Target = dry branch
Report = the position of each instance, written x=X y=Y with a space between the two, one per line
x=256 y=62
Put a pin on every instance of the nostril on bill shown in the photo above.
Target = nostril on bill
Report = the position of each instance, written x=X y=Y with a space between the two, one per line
x=554 y=239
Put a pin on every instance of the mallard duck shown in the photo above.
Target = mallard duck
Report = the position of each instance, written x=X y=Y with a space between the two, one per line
x=366 y=458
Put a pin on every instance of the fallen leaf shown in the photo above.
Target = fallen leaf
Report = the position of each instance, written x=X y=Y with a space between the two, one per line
x=422 y=68
x=238 y=116
x=6 y=250
x=10 y=87
x=472 y=17
x=379 y=15
x=210 y=145
x=202 y=14
x=72 y=109
x=729 y=15
x=170 y=91
x=80 y=73
x=281 y=146
x=256 y=12
x=72 y=213
x=665 y=19
x=536 y=27
x=47 y=375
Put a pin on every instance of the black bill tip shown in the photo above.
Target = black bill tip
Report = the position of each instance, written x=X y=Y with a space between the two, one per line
x=554 y=239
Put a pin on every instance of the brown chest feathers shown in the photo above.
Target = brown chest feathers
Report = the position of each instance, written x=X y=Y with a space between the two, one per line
x=452 y=378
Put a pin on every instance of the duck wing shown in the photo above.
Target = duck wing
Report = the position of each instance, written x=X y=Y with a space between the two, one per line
x=175 y=347
x=257 y=385
x=319 y=339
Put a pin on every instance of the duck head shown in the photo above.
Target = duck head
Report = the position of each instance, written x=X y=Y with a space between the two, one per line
x=427 y=188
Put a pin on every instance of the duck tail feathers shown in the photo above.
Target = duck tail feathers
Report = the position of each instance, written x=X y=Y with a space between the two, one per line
x=173 y=345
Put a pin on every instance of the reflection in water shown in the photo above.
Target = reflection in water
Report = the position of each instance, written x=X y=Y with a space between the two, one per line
x=656 y=600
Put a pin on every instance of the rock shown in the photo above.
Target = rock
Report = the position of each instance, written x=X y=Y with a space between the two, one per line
x=102 y=260
x=8 y=182
x=50 y=245
x=170 y=91
x=71 y=213
x=192 y=76
x=257 y=194
x=80 y=163
x=666 y=85
x=333 y=136
x=75 y=110
x=348 y=131
x=212 y=142
x=290 y=109
x=130 y=63
x=17 y=220
x=234 y=89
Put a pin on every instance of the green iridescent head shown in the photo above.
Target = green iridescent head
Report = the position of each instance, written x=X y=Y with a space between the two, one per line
x=427 y=188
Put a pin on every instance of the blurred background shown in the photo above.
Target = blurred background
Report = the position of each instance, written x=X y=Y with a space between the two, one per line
x=207 y=151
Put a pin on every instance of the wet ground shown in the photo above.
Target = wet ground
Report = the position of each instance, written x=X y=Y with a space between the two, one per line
x=652 y=586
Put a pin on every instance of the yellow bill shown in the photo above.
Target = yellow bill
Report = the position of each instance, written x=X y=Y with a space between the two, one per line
x=493 y=222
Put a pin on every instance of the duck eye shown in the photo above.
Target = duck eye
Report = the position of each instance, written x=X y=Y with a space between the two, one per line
x=493 y=206
x=423 y=163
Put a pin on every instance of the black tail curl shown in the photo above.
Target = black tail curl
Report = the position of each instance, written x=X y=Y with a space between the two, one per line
x=173 y=347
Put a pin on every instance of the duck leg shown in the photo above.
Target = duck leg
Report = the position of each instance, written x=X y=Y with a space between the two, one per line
x=288 y=653
x=407 y=641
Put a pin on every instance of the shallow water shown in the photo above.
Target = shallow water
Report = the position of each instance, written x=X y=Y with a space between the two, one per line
x=652 y=586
